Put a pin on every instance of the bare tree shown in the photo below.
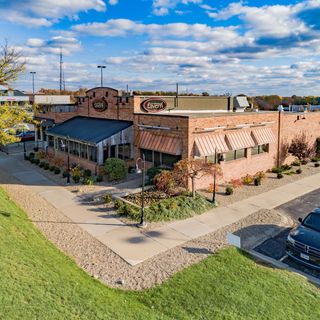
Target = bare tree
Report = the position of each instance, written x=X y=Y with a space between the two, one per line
x=300 y=147
x=11 y=63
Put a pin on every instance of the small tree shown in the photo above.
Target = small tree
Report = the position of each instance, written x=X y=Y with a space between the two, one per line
x=194 y=169
x=300 y=147
x=284 y=152
x=164 y=181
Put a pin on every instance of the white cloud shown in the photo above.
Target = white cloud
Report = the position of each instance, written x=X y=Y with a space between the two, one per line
x=44 y=13
x=113 y=2
x=162 y=7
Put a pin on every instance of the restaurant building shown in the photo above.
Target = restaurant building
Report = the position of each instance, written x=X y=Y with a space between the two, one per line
x=110 y=123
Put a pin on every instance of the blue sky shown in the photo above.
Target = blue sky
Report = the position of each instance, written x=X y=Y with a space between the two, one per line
x=219 y=46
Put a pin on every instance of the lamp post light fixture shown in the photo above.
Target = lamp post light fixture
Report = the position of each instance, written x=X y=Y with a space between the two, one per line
x=217 y=160
x=33 y=74
x=142 y=171
x=64 y=146
x=101 y=74
x=24 y=144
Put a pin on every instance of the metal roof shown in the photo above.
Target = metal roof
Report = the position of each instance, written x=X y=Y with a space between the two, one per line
x=91 y=130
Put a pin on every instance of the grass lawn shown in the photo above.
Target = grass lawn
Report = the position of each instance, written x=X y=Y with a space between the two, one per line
x=37 y=281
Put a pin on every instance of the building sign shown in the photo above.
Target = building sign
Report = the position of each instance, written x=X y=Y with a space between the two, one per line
x=100 y=105
x=154 y=105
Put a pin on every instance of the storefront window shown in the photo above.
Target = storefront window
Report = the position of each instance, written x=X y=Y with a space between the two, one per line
x=124 y=151
x=236 y=154
x=260 y=149
x=157 y=158
x=169 y=159
x=83 y=151
x=112 y=151
x=51 y=141
x=93 y=154
x=148 y=154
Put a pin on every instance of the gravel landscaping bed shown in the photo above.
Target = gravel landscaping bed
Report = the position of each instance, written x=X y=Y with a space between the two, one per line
x=271 y=182
x=102 y=263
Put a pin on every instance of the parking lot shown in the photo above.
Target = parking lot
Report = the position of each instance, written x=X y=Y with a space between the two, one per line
x=274 y=247
x=18 y=147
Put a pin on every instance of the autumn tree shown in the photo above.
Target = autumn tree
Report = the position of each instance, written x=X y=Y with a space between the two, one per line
x=300 y=147
x=11 y=65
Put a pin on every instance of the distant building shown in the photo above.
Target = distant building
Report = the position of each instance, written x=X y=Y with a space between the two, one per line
x=12 y=97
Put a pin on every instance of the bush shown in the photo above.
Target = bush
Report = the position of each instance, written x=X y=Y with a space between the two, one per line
x=57 y=170
x=31 y=155
x=99 y=178
x=46 y=166
x=247 y=179
x=304 y=161
x=164 y=181
x=41 y=164
x=88 y=181
x=107 y=198
x=52 y=168
x=76 y=179
x=87 y=173
x=65 y=173
x=276 y=170
x=116 y=169
x=257 y=181
x=315 y=159
x=261 y=175
x=317 y=164
x=296 y=163
x=152 y=172
x=229 y=190
x=180 y=207
x=298 y=171
x=76 y=173
x=36 y=161
x=32 y=160
x=280 y=175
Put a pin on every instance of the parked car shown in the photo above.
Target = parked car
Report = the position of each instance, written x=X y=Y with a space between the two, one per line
x=26 y=136
x=303 y=242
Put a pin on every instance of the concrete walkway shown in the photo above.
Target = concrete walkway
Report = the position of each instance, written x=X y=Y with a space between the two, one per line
x=135 y=245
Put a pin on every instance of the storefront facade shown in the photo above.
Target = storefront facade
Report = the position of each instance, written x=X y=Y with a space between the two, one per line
x=159 y=128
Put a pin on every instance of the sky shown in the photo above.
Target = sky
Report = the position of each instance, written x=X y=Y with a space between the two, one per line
x=220 y=46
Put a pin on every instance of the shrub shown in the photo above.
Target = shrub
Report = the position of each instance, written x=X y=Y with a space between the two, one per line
x=276 y=170
x=304 y=162
x=286 y=167
x=257 y=181
x=229 y=190
x=317 y=164
x=298 y=171
x=152 y=172
x=52 y=168
x=261 y=175
x=41 y=164
x=65 y=173
x=87 y=173
x=57 y=170
x=32 y=160
x=36 y=161
x=296 y=163
x=116 y=169
x=107 y=198
x=41 y=154
x=247 y=179
x=76 y=173
x=26 y=158
x=236 y=183
x=46 y=166
x=164 y=181
x=280 y=175
x=99 y=178
x=88 y=181
x=315 y=159
x=31 y=155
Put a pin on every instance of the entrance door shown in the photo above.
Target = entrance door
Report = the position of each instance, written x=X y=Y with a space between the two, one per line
x=105 y=153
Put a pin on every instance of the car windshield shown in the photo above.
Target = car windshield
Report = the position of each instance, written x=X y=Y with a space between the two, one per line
x=312 y=221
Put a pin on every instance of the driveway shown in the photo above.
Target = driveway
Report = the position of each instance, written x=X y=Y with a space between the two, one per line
x=274 y=247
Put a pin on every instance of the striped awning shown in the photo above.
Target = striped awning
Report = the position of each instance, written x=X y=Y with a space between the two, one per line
x=160 y=142
x=240 y=139
x=209 y=144
x=263 y=136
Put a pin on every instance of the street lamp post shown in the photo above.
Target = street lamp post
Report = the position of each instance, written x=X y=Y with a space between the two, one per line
x=142 y=223
x=68 y=161
x=101 y=74
x=33 y=74
x=24 y=145
x=214 y=177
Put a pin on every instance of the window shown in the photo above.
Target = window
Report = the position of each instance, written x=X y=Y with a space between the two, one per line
x=124 y=151
x=157 y=158
x=93 y=154
x=112 y=151
x=260 y=149
x=127 y=99
x=236 y=154
x=94 y=94
x=148 y=154
x=107 y=93
x=83 y=151
x=169 y=159
x=51 y=141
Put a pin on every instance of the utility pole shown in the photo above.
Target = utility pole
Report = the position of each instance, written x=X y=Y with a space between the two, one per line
x=33 y=74
x=62 y=82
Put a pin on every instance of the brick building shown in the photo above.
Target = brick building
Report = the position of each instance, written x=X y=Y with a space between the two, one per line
x=110 y=123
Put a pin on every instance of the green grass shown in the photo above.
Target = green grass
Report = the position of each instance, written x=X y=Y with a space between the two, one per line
x=37 y=281
x=176 y=208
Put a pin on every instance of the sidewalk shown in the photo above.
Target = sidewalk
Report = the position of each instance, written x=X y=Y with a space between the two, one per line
x=135 y=245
